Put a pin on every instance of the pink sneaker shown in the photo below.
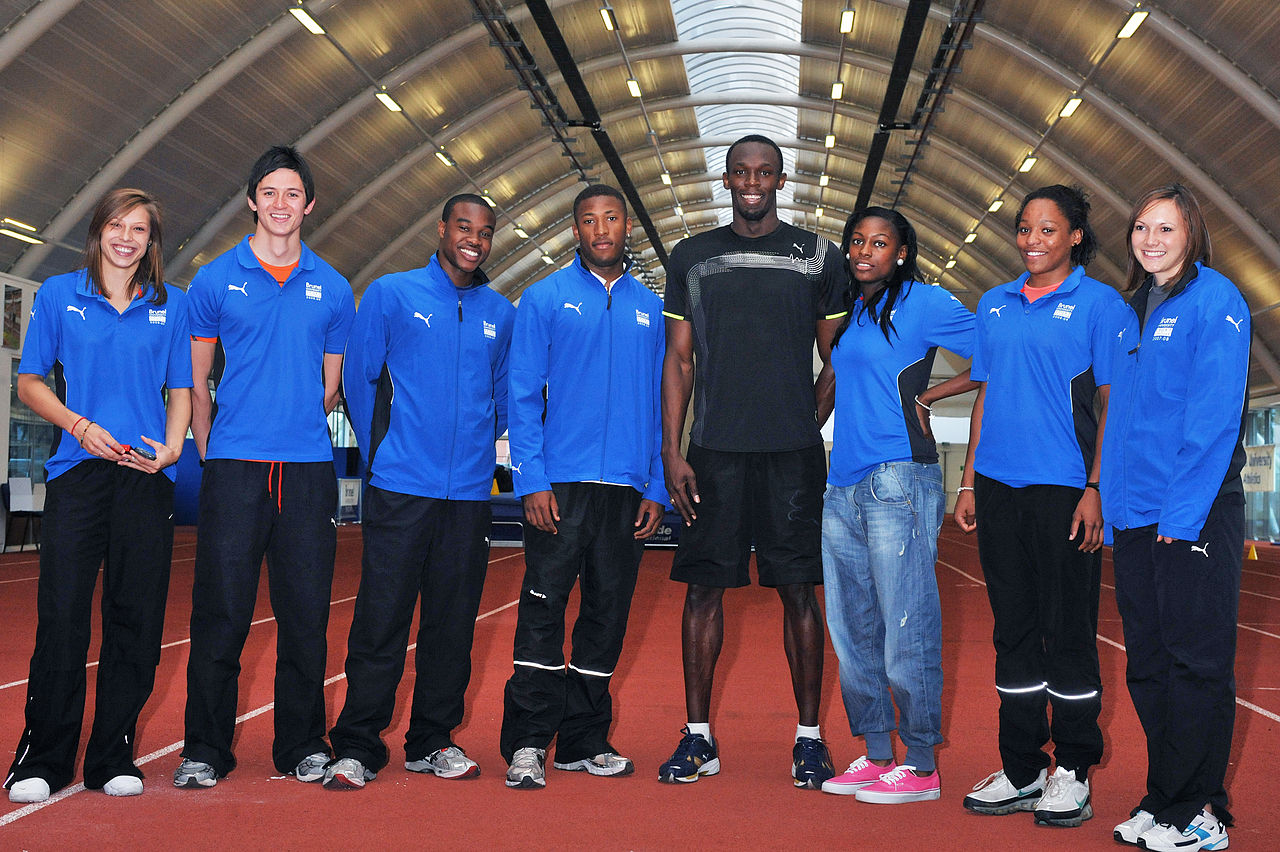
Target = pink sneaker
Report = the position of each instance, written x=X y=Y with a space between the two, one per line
x=859 y=774
x=901 y=785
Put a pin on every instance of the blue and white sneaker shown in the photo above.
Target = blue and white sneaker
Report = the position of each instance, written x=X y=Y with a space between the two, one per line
x=693 y=758
x=1205 y=832
x=811 y=763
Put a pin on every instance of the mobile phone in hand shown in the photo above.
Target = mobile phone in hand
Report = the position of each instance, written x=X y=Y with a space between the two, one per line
x=146 y=452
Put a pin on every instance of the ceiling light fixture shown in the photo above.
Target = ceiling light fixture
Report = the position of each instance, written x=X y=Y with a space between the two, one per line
x=633 y=87
x=26 y=238
x=830 y=141
x=388 y=102
x=546 y=258
x=950 y=264
x=17 y=224
x=818 y=212
x=837 y=90
x=445 y=158
x=996 y=205
x=1027 y=165
x=970 y=237
x=1070 y=109
x=824 y=180
x=666 y=178
x=1131 y=26
x=846 y=20
x=678 y=210
x=610 y=22
x=306 y=20
x=522 y=233
x=488 y=200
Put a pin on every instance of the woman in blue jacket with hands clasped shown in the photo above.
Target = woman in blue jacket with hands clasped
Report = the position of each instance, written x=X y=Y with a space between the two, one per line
x=1172 y=493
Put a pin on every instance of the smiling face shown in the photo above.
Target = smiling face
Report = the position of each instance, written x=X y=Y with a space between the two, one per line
x=1045 y=240
x=753 y=181
x=124 y=239
x=465 y=241
x=600 y=226
x=280 y=201
x=1159 y=240
x=874 y=252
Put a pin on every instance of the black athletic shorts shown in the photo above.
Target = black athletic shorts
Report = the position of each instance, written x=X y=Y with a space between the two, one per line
x=772 y=500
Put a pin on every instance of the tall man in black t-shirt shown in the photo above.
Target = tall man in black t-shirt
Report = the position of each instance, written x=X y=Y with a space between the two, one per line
x=749 y=299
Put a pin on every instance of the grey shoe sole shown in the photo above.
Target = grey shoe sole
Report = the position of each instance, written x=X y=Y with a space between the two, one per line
x=1072 y=820
x=595 y=769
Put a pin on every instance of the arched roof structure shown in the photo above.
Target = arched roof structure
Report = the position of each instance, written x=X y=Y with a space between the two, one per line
x=180 y=98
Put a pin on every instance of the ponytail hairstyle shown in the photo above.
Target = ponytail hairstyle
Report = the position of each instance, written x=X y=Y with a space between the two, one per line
x=1074 y=207
x=1199 y=247
x=881 y=305
x=150 y=272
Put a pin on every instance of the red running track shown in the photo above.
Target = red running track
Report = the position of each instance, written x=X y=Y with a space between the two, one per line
x=751 y=804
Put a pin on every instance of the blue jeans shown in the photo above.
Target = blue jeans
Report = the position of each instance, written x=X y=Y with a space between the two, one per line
x=879 y=546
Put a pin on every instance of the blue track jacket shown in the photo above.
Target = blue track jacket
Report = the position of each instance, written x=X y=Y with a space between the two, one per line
x=598 y=355
x=425 y=377
x=1178 y=394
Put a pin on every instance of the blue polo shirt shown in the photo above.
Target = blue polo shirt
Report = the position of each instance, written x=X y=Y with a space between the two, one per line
x=426 y=382
x=114 y=365
x=877 y=380
x=1042 y=362
x=270 y=402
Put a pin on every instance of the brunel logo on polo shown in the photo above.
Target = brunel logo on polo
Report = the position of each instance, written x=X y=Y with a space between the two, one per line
x=490 y=330
x=642 y=318
x=313 y=291
x=156 y=316
x=1063 y=311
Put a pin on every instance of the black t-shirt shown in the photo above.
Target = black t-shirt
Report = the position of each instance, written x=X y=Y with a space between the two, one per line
x=754 y=304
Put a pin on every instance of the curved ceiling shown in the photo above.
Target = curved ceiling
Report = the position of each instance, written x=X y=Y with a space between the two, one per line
x=180 y=98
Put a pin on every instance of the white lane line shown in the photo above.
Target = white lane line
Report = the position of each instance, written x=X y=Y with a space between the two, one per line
x=1120 y=647
x=187 y=641
x=66 y=792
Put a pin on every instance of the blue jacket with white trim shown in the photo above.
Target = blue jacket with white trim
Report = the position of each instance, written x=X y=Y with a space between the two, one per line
x=598 y=355
x=1178 y=398
x=425 y=377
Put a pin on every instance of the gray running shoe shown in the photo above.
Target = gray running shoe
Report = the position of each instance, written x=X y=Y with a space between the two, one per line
x=311 y=768
x=527 y=770
x=194 y=773
x=347 y=774
x=608 y=763
x=447 y=762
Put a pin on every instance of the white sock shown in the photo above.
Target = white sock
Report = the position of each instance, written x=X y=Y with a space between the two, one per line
x=806 y=731
x=703 y=728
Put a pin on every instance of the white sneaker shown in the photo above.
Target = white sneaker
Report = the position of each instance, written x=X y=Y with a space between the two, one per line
x=29 y=790
x=1205 y=832
x=123 y=785
x=1065 y=802
x=347 y=774
x=1129 y=830
x=995 y=795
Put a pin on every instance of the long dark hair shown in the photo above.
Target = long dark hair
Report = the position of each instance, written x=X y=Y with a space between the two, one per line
x=880 y=306
x=1073 y=204
x=150 y=271
x=1199 y=246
